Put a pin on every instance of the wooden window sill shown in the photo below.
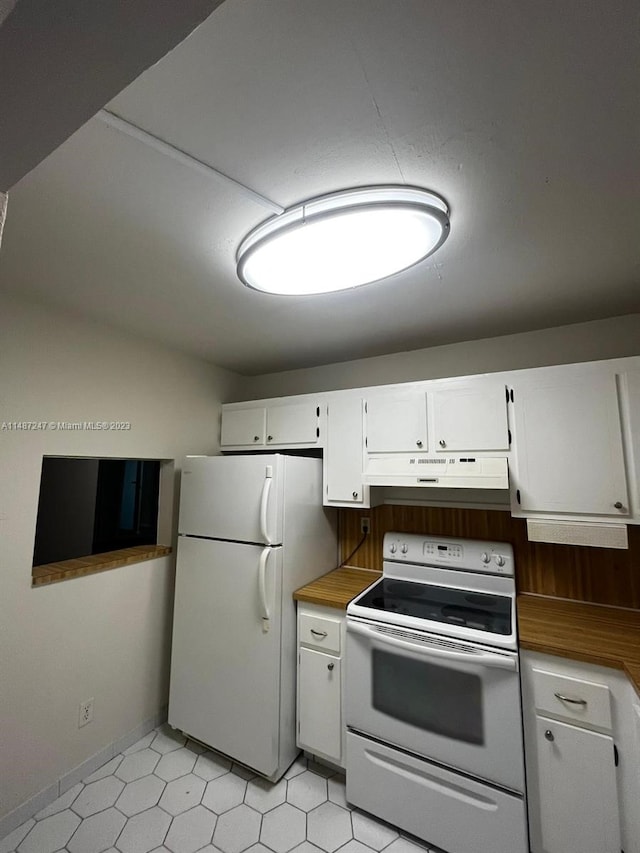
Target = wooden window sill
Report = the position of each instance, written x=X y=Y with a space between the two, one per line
x=81 y=566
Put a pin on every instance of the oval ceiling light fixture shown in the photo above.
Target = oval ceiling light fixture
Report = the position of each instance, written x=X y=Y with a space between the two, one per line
x=343 y=240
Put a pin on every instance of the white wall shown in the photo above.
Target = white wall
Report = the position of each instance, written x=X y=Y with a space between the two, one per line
x=613 y=338
x=105 y=636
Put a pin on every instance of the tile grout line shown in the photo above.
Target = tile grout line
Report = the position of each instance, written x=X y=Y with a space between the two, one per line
x=259 y=810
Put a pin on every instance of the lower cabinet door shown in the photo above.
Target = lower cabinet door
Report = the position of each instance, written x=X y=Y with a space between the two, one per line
x=576 y=789
x=319 y=694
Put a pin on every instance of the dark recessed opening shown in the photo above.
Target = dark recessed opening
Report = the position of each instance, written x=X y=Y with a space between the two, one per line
x=90 y=506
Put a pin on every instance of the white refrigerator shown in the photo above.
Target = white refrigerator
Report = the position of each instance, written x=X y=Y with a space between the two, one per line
x=252 y=529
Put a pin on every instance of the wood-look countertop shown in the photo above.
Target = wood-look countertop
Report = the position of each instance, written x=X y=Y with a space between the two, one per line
x=337 y=588
x=608 y=636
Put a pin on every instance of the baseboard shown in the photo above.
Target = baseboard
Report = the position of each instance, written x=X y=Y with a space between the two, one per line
x=43 y=798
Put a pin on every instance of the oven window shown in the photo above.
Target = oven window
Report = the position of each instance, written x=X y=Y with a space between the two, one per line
x=438 y=699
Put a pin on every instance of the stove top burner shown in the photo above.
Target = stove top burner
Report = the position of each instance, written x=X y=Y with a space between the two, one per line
x=481 y=611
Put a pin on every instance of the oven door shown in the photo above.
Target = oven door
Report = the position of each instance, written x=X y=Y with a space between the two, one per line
x=453 y=702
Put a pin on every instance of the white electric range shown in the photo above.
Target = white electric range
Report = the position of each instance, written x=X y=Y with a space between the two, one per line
x=434 y=739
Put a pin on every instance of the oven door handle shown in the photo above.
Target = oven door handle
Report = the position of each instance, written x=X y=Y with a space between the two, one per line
x=429 y=650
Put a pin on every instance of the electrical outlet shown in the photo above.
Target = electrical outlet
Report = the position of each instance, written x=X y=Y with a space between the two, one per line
x=365 y=526
x=85 y=713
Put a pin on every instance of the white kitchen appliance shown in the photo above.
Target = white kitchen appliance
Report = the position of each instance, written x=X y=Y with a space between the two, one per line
x=420 y=470
x=434 y=740
x=252 y=529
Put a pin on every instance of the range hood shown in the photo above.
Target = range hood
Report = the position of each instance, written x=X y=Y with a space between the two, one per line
x=443 y=471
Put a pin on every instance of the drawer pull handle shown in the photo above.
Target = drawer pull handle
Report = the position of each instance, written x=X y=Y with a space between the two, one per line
x=318 y=633
x=563 y=698
x=549 y=735
x=330 y=666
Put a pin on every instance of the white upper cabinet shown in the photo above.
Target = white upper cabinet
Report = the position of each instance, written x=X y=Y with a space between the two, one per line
x=568 y=443
x=570 y=435
x=396 y=422
x=470 y=415
x=343 y=453
x=290 y=425
x=629 y=390
x=243 y=427
x=296 y=423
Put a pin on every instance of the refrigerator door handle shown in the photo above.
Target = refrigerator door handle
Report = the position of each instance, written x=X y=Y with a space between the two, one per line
x=262 y=588
x=264 y=504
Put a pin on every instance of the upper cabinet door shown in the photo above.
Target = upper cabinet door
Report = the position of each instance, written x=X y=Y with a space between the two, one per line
x=471 y=416
x=568 y=443
x=243 y=427
x=295 y=423
x=397 y=422
x=259 y=426
x=343 y=452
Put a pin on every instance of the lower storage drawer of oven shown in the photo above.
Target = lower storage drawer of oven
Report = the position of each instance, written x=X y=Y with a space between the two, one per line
x=453 y=812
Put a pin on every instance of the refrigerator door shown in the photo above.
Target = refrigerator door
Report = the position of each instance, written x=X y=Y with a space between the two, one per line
x=225 y=666
x=233 y=497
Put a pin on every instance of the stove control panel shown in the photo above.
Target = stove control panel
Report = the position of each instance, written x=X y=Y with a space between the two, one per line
x=470 y=555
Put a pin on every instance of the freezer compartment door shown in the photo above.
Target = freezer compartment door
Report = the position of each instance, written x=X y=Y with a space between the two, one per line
x=233 y=497
x=226 y=657
x=443 y=808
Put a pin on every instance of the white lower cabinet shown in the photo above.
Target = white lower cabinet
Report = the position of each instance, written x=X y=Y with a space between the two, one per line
x=320 y=679
x=581 y=753
x=319 y=717
x=577 y=790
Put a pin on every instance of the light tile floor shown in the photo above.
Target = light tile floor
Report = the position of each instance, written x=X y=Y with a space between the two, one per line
x=169 y=795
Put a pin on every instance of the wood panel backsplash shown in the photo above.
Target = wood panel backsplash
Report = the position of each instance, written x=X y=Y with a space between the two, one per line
x=597 y=575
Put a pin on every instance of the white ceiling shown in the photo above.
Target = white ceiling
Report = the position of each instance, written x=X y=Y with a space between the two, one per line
x=525 y=116
x=60 y=62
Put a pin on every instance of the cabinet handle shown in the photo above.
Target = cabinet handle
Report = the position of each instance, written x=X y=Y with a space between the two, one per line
x=442 y=442
x=256 y=438
x=549 y=735
x=563 y=698
x=330 y=666
x=618 y=504
x=269 y=438
x=355 y=494
x=419 y=443
x=322 y=634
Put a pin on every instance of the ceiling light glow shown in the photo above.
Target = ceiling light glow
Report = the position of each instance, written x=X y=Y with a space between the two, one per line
x=343 y=240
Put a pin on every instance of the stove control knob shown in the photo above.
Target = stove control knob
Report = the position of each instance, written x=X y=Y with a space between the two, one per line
x=392 y=548
x=499 y=560
x=404 y=549
x=485 y=557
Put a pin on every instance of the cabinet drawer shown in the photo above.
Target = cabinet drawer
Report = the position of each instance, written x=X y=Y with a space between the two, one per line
x=591 y=701
x=319 y=632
